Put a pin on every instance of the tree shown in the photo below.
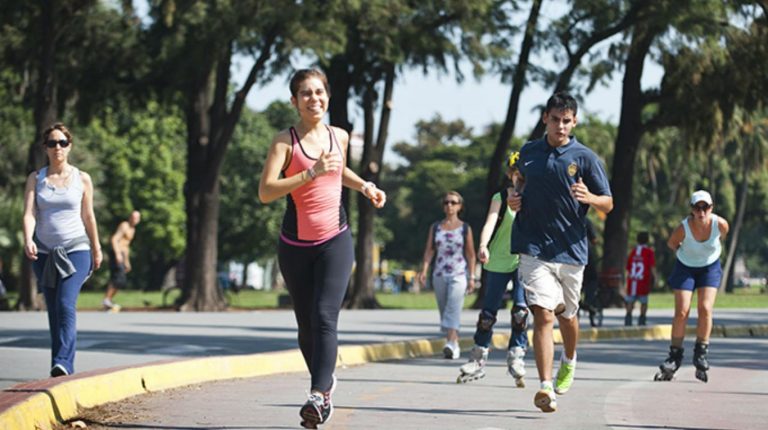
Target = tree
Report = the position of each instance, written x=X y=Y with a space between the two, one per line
x=682 y=90
x=518 y=82
x=247 y=229
x=379 y=38
x=60 y=45
x=196 y=41
x=141 y=168
x=578 y=32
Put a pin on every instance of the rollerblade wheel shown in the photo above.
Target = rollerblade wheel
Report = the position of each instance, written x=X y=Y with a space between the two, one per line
x=701 y=375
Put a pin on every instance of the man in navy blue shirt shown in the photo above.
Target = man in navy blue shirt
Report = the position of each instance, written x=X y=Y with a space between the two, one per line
x=563 y=178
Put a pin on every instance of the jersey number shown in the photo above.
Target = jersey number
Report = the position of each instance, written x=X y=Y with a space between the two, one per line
x=637 y=271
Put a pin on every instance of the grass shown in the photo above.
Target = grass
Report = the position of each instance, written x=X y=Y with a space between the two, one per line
x=253 y=299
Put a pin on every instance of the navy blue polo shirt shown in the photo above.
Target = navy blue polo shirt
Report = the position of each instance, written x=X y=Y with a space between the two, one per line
x=551 y=224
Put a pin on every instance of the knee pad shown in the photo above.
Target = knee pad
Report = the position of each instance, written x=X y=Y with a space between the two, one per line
x=519 y=318
x=485 y=321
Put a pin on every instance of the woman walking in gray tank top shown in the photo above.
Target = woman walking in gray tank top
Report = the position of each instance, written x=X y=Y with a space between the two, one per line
x=62 y=240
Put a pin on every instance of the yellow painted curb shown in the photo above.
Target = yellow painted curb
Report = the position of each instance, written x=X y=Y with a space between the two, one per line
x=62 y=402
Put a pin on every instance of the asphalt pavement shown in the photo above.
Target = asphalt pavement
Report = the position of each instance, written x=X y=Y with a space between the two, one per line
x=614 y=389
x=421 y=391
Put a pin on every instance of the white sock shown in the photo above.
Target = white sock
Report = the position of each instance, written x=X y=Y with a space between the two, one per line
x=567 y=360
x=546 y=385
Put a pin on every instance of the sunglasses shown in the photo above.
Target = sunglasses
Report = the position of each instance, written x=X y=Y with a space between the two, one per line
x=53 y=142
x=451 y=202
x=701 y=208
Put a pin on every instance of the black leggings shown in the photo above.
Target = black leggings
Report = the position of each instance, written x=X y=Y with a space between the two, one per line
x=317 y=278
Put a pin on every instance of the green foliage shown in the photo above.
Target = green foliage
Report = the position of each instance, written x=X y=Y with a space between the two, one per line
x=247 y=228
x=95 y=56
x=436 y=163
x=142 y=167
x=18 y=132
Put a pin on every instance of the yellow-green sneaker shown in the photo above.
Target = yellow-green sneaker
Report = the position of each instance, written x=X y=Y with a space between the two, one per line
x=545 y=400
x=564 y=378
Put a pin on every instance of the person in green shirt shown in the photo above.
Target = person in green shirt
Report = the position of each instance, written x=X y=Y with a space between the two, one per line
x=499 y=267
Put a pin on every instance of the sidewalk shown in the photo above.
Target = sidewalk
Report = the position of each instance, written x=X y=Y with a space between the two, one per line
x=614 y=389
x=233 y=340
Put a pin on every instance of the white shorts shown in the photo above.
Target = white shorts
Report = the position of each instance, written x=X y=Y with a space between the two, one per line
x=550 y=284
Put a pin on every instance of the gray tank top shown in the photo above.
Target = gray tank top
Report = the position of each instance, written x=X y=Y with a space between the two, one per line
x=59 y=217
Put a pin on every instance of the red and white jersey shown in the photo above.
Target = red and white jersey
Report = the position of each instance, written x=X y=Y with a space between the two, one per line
x=639 y=265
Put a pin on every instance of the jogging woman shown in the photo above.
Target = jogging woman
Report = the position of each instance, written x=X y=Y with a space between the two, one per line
x=307 y=165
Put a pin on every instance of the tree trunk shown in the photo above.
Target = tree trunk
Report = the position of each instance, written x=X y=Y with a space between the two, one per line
x=210 y=126
x=362 y=294
x=45 y=114
x=340 y=81
x=200 y=292
x=726 y=283
x=508 y=130
x=627 y=142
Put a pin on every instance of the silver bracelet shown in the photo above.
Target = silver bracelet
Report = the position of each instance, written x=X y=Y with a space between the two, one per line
x=366 y=186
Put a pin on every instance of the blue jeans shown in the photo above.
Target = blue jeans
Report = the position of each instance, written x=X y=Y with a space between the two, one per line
x=496 y=285
x=61 y=302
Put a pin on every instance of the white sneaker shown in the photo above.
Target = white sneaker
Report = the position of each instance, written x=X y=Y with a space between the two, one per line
x=451 y=351
x=545 y=399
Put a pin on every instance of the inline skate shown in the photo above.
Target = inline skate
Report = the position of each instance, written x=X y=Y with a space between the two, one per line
x=668 y=368
x=700 y=361
x=473 y=369
x=516 y=365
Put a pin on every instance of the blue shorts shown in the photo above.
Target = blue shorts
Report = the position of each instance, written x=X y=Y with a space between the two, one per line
x=632 y=299
x=689 y=278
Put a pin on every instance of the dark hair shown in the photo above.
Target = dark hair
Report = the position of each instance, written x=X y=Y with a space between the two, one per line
x=562 y=101
x=57 y=126
x=304 y=74
x=642 y=237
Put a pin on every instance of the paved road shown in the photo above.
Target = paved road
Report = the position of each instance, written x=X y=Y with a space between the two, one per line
x=613 y=390
x=108 y=340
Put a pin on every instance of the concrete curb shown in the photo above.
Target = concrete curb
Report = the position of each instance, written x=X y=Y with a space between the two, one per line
x=42 y=404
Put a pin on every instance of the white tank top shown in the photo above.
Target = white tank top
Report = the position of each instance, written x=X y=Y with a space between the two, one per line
x=693 y=253
x=59 y=217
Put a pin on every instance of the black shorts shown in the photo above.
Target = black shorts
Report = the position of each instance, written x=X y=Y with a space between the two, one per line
x=117 y=274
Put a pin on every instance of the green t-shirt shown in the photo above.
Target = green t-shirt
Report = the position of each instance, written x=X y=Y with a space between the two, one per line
x=500 y=260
